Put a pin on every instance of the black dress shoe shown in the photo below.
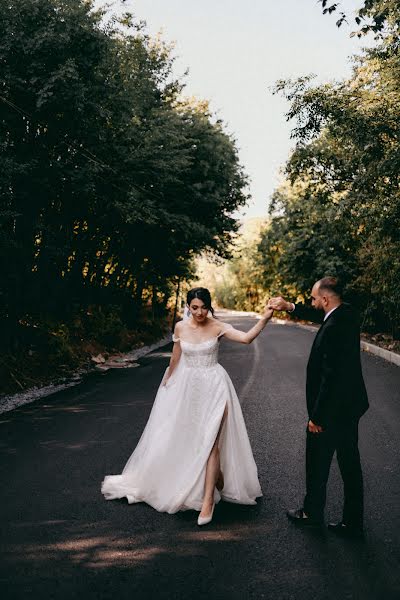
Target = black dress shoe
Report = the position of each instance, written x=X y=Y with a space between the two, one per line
x=299 y=517
x=347 y=531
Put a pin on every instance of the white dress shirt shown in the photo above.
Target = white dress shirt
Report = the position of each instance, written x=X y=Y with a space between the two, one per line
x=330 y=312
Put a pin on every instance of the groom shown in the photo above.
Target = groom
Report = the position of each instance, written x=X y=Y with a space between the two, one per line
x=336 y=399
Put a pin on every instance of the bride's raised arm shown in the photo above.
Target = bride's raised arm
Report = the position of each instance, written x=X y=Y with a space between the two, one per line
x=246 y=337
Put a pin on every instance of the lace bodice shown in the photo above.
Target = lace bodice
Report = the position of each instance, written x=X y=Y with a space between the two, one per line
x=200 y=355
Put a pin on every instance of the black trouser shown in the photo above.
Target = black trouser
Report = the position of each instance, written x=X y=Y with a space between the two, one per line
x=342 y=438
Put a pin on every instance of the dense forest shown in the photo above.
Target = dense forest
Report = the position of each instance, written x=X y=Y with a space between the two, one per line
x=338 y=209
x=111 y=182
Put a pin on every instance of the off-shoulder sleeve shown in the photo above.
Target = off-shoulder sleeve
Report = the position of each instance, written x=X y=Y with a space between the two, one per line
x=175 y=338
x=225 y=328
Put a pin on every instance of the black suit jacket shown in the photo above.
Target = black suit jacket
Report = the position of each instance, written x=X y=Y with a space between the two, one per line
x=335 y=386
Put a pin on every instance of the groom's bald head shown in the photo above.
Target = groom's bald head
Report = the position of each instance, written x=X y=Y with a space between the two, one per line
x=330 y=286
x=326 y=293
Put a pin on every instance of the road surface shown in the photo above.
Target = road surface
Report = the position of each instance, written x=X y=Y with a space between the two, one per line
x=61 y=539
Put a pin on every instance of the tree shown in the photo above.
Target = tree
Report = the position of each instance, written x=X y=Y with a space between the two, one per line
x=112 y=181
x=377 y=16
x=339 y=213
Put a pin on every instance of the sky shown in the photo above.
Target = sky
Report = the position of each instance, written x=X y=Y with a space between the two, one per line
x=235 y=51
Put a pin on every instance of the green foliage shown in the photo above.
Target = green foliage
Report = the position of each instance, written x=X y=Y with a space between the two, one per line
x=105 y=325
x=111 y=181
x=339 y=210
x=376 y=16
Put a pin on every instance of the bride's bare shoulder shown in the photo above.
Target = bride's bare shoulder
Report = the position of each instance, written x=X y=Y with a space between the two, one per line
x=182 y=327
x=178 y=327
x=215 y=325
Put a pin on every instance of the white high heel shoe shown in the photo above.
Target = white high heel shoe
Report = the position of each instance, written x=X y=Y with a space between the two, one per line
x=205 y=520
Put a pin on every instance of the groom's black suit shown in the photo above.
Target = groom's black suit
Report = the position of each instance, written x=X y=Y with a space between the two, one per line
x=336 y=399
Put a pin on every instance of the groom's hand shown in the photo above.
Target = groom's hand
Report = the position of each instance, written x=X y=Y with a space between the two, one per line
x=313 y=428
x=280 y=303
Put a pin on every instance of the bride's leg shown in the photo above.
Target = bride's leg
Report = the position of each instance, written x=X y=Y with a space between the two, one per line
x=212 y=472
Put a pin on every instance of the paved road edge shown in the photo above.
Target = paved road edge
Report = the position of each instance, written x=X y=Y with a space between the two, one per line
x=13 y=401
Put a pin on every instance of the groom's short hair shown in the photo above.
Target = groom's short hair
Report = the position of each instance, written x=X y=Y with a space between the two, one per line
x=332 y=285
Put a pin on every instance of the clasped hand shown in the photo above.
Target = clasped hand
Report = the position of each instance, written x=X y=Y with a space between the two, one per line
x=279 y=303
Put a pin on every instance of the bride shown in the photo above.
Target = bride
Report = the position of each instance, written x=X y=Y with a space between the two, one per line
x=194 y=449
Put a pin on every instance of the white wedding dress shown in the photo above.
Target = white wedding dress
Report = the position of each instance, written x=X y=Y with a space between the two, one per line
x=167 y=468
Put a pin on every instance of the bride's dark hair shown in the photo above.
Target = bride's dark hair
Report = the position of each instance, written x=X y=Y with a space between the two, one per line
x=202 y=294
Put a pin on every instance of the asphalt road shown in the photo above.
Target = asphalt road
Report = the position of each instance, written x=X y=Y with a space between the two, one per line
x=61 y=539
